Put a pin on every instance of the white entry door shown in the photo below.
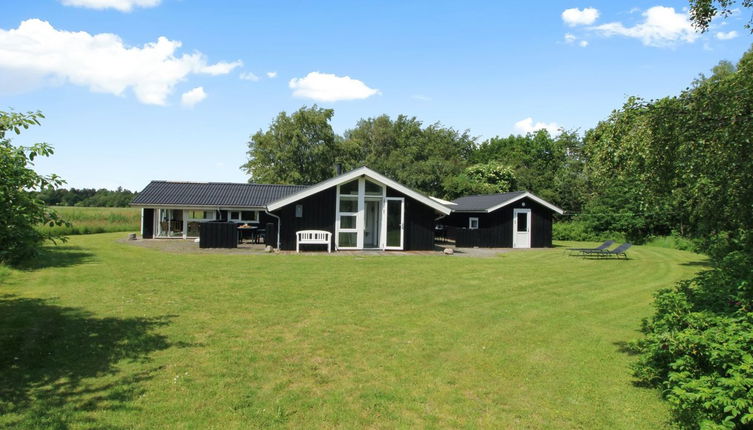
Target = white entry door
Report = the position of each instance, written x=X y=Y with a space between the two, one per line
x=521 y=228
x=394 y=217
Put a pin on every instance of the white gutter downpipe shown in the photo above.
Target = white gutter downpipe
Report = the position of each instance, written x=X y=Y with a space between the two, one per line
x=278 y=226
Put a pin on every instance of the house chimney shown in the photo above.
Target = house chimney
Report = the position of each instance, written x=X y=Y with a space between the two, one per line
x=338 y=169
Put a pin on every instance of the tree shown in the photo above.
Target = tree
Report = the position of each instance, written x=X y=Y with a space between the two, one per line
x=403 y=149
x=20 y=209
x=300 y=149
x=489 y=178
x=703 y=11
x=550 y=167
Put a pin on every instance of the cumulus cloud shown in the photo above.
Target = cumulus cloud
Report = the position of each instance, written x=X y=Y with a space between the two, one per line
x=248 y=76
x=726 y=36
x=570 y=38
x=525 y=126
x=583 y=43
x=271 y=75
x=327 y=87
x=662 y=26
x=101 y=62
x=121 y=5
x=192 y=97
x=575 y=16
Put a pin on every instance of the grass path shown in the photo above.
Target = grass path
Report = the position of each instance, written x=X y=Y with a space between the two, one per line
x=113 y=335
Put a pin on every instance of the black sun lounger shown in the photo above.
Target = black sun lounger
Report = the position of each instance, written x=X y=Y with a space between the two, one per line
x=617 y=252
x=601 y=247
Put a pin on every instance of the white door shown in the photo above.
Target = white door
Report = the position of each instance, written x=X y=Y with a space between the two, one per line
x=394 y=215
x=521 y=228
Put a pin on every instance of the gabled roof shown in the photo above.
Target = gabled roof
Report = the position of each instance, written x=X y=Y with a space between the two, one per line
x=353 y=174
x=491 y=202
x=212 y=194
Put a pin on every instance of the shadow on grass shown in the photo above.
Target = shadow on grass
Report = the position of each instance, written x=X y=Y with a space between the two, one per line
x=702 y=263
x=57 y=256
x=50 y=357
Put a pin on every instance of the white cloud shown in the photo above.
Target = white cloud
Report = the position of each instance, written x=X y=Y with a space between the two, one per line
x=421 y=97
x=121 y=5
x=271 y=75
x=327 y=87
x=101 y=62
x=525 y=126
x=570 y=38
x=221 y=68
x=583 y=43
x=726 y=36
x=248 y=76
x=662 y=27
x=192 y=97
x=575 y=16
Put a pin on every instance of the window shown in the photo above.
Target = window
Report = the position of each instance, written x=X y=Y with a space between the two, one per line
x=522 y=221
x=473 y=223
x=243 y=216
x=347 y=221
x=299 y=211
x=348 y=239
x=348 y=204
x=201 y=214
x=349 y=188
x=373 y=189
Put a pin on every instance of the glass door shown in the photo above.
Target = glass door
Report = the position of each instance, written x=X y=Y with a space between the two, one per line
x=371 y=231
x=394 y=219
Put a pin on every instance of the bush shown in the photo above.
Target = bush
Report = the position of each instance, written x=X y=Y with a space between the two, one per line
x=580 y=231
x=699 y=346
x=675 y=241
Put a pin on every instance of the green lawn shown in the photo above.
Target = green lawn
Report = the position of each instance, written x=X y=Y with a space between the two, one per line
x=110 y=335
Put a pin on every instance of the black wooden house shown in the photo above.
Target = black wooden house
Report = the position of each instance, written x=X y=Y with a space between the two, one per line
x=506 y=220
x=361 y=209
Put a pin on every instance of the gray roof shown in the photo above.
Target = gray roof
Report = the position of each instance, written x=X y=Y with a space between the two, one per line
x=214 y=194
x=482 y=202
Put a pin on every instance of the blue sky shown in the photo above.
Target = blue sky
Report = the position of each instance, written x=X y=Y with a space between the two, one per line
x=124 y=106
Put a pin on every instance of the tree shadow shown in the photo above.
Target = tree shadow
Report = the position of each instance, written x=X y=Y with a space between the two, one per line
x=51 y=357
x=57 y=256
x=703 y=263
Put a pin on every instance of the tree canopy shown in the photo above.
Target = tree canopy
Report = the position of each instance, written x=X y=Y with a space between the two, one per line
x=20 y=208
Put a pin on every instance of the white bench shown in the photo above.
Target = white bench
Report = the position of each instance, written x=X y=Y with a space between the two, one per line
x=312 y=237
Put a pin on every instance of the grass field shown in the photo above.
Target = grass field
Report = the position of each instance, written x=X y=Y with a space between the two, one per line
x=87 y=220
x=108 y=335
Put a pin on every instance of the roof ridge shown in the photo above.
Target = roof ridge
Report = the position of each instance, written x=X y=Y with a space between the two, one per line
x=227 y=183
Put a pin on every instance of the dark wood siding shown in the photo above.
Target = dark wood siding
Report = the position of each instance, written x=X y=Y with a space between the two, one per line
x=147 y=229
x=218 y=235
x=318 y=214
x=418 y=226
x=495 y=229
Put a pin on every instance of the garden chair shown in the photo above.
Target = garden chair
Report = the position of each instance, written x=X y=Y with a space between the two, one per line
x=601 y=247
x=617 y=252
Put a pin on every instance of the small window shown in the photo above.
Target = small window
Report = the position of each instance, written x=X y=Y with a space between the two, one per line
x=522 y=221
x=473 y=223
x=348 y=204
x=373 y=189
x=349 y=188
x=299 y=211
x=347 y=221
x=243 y=216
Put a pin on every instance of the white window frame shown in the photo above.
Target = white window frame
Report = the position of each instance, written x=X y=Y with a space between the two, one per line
x=360 y=213
x=239 y=220
x=470 y=223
